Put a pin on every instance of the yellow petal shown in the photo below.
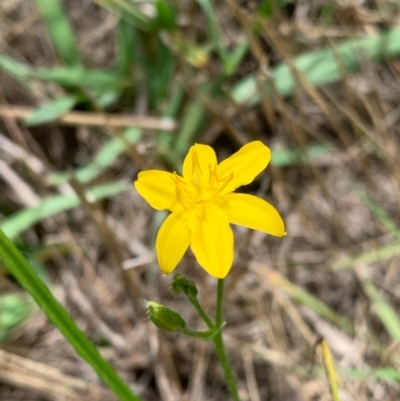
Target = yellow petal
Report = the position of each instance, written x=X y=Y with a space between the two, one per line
x=252 y=212
x=157 y=188
x=199 y=163
x=245 y=165
x=212 y=241
x=172 y=241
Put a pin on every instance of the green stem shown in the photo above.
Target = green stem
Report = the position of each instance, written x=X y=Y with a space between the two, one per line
x=205 y=335
x=25 y=274
x=201 y=312
x=220 y=298
x=220 y=348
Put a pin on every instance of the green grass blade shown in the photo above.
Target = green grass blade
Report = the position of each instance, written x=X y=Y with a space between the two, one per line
x=384 y=310
x=129 y=12
x=375 y=255
x=24 y=219
x=288 y=157
x=159 y=66
x=172 y=107
x=76 y=77
x=69 y=77
x=24 y=273
x=382 y=216
x=51 y=111
x=386 y=314
x=17 y=70
x=321 y=67
x=103 y=159
x=304 y=298
x=195 y=55
x=210 y=13
x=14 y=309
x=166 y=15
x=266 y=7
x=192 y=122
x=235 y=57
x=60 y=30
x=126 y=46
x=389 y=375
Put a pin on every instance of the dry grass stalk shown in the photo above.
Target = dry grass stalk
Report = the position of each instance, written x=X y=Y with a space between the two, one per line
x=96 y=119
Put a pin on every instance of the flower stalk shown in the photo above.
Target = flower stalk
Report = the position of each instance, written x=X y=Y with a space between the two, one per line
x=220 y=347
x=215 y=329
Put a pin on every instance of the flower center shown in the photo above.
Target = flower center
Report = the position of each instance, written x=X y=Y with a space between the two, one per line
x=203 y=188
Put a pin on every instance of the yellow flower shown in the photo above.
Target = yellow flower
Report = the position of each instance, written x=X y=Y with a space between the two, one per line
x=203 y=205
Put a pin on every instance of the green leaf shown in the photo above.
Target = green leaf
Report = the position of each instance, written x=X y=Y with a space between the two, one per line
x=27 y=277
x=26 y=218
x=60 y=30
x=51 y=111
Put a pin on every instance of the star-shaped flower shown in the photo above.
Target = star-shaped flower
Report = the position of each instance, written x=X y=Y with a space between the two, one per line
x=203 y=205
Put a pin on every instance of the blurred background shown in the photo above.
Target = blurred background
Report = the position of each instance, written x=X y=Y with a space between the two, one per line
x=92 y=92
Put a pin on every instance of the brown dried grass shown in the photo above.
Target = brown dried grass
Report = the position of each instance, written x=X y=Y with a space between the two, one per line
x=270 y=338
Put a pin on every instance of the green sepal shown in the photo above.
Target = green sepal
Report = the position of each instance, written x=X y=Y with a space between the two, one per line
x=164 y=318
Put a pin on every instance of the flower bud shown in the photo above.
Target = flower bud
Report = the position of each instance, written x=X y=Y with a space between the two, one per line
x=164 y=318
x=181 y=284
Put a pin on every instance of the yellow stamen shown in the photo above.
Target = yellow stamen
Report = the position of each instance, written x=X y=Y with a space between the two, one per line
x=196 y=168
x=223 y=182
